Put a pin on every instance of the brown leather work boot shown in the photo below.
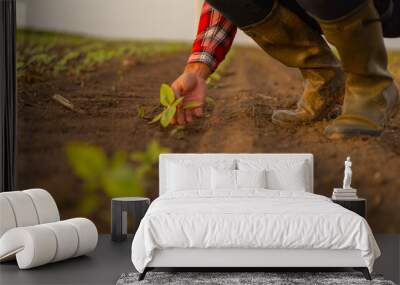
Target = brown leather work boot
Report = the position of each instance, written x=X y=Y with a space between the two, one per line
x=284 y=36
x=371 y=96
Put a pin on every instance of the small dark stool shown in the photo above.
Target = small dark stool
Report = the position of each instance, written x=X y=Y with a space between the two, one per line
x=120 y=207
x=358 y=206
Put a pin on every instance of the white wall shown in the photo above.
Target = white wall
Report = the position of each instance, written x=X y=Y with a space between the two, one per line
x=146 y=19
x=127 y=19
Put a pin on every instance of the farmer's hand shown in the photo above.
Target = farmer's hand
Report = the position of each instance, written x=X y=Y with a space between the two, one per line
x=191 y=85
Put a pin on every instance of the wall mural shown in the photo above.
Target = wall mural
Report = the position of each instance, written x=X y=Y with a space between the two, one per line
x=95 y=113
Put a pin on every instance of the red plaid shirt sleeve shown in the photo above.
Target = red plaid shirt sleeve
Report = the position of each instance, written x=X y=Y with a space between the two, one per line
x=214 y=38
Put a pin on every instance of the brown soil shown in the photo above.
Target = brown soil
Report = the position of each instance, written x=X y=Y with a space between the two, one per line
x=252 y=86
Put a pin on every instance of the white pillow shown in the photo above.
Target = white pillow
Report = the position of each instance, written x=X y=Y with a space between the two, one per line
x=188 y=174
x=223 y=179
x=292 y=179
x=182 y=177
x=288 y=175
x=219 y=164
x=251 y=178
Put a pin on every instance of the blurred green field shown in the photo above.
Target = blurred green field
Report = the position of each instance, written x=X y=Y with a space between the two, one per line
x=51 y=54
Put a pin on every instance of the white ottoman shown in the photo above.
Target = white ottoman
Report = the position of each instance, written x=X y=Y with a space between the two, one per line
x=31 y=232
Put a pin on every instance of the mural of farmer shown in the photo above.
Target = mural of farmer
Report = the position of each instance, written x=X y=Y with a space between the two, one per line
x=291 y=32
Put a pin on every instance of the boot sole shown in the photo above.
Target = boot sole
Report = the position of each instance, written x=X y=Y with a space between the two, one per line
x=339 y=78
x=320 y=117
x=366 y=133
x=291 y=124
x=352 y=134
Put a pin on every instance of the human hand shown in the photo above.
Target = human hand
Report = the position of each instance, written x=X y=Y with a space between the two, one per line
x=191 y=85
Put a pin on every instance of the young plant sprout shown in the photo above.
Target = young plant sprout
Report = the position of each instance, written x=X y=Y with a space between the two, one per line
x=219 y=72
x=120 y=174
x=170 y=103
x=212 y=78
x=140 y=112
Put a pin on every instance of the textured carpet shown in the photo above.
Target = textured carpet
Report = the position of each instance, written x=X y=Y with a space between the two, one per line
x=233 y=278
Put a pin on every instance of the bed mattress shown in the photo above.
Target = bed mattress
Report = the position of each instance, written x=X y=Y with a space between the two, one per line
x=250 y=219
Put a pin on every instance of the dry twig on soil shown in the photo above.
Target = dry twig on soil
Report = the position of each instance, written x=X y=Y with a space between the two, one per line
x=66 y=103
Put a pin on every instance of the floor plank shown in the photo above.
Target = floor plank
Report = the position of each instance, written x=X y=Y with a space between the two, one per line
x=111 y=259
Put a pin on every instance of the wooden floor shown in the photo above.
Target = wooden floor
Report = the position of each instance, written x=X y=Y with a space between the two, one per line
x=110 y=260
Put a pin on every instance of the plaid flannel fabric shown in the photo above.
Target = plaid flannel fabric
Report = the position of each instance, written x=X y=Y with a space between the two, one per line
x=214 y=38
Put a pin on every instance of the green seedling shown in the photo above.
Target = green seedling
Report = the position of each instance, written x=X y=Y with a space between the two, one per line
x=20 y=67
x=146 y=159
x=177 y=132
x=210 y=101
x=60 y=53
x=118 y=175
x=216 y=75
x=140 y=112
x=170 y=103
x=213 y=77
x=61 y=65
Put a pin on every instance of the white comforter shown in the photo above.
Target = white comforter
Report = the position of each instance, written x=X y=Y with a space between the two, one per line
x=250 y=219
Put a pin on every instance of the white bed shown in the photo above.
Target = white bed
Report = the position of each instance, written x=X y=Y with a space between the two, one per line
x=249 y=227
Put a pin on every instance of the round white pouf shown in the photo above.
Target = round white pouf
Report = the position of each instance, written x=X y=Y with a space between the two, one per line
x=67 y=240
x=33 y=246
x=7 y=218
x=41 y=244
x=23 y=208
x=45 y=205
x=87 y=233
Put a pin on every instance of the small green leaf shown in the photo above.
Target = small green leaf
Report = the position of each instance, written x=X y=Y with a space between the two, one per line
x=177 y=132
x=141 y=171
x=167 y=96
x=88 y=204
x=215 y=76
x=140 y=112
x=121 y=181
x=150 y=155
x=210 y=100
x=177 y=101
x=167 y=116
x=153 y=151
x=156 y=118
x=87 y=161
x=119 y=158
x=91 y=185
x=138 y=156
x=193 y=105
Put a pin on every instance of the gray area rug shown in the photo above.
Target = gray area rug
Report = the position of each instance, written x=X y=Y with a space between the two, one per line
x=233 y=278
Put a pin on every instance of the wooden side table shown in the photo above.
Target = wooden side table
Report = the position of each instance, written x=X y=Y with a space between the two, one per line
x=120 y=207
x=358 y=206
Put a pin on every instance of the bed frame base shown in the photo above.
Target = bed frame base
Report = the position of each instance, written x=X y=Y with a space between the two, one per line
x=250 y=259
x=143 y=274
x=363 y=270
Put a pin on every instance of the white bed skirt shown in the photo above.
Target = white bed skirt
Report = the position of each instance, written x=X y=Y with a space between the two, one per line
x=192 y=257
